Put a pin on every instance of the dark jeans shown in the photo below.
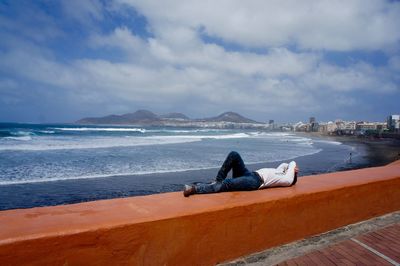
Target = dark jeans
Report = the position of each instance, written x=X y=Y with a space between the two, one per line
x=242 y=178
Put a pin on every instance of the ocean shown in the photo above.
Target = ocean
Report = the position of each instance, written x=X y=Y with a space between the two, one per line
x=48 y=164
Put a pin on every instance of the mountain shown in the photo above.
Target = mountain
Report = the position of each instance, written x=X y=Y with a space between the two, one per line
x=230 y=117
x=140 y=116
x=145 y=117
x=175 y=116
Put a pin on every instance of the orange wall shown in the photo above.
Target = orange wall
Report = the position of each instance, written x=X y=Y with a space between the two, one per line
x=168 y=229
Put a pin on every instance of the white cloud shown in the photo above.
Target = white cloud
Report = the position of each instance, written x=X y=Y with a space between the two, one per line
x=394 y=63
x=194 y=53
x=85 y=12
x=356 y=77
x=311 y=24
x=31 y=23
x=205 y=76
x=176 y=69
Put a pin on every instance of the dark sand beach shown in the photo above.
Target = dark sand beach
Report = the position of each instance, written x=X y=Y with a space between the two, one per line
x=379 y=151
x=331 y=158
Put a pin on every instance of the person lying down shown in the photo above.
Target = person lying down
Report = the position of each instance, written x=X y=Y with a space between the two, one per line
x=284 y=175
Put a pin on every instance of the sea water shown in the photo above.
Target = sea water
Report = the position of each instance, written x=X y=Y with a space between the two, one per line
x=32 y=153
x=43 y=165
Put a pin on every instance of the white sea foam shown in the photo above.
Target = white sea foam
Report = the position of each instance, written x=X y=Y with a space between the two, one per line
x=228 y=136
x=21 y=133
x=133 y=172
x=21 y=138
x=108 y=129
x=329 y=142
x=40 y=143
x=43 y=143
x=46 y=131
x=195 y=130
x=52 y=179
x=74 y=160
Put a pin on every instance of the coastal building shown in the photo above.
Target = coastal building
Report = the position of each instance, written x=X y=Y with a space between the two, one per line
x=380 y=126
x=350 y=125
x=370 y=128
x=341 y=127
x=393 y=123
x=323 y=128
x=286 y=127
x=272 y=125
x=346 y=127
x=340 y=124
x=331 y=127
x=313 y=125
x=301 y=127
x=364 y=126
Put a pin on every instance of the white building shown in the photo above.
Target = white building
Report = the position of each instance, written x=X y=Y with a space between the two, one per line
x=351 y=125
x=340 y=124
x=393 y=123
x=331 y=127
x=363 y=126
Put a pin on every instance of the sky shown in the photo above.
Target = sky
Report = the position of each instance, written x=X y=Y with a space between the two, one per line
x=283 y=60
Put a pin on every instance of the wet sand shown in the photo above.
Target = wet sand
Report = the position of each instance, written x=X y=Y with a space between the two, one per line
x=379 y=151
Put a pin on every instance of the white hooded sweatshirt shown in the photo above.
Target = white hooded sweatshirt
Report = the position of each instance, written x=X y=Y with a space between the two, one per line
x=282 y=176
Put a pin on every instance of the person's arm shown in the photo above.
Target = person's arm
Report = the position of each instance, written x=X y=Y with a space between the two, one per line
x=289 y=177
x=282 y=167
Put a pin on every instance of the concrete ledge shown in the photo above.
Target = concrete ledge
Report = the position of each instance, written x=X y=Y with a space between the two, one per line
x=168 y=229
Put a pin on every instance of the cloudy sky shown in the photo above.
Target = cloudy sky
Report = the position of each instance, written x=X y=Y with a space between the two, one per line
x=282 y=60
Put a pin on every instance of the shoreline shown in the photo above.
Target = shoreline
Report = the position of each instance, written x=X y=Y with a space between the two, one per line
x=380 y=152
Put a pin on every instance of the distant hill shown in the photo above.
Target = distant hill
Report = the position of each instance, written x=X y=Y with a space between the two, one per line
x=146 y=117
x=175 y=116
x=140 y=116
x=230 y=117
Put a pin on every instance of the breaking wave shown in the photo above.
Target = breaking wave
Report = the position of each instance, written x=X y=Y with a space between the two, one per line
x=107 y=129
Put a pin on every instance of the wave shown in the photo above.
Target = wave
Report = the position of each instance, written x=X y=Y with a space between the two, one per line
x=10 y=134
x=23 y=138
x=329 y=142
x=41 y=143
x=108 y=129
x=229 y=136
x=46 y=131
x=136 y=173
x=297 y=140
x=164 y=130
x=141 y=130
x=110 y=142
x=41 y=180
x=23 y=135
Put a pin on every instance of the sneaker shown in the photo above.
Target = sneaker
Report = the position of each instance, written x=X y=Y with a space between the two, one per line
x=188 y=190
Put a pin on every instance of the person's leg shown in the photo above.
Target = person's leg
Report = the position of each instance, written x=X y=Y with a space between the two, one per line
x=205 y=188
x=242 y=183
x=232 y=162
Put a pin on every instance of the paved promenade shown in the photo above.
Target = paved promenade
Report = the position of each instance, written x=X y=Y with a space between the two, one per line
x=372 y=242
x=381 y=247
